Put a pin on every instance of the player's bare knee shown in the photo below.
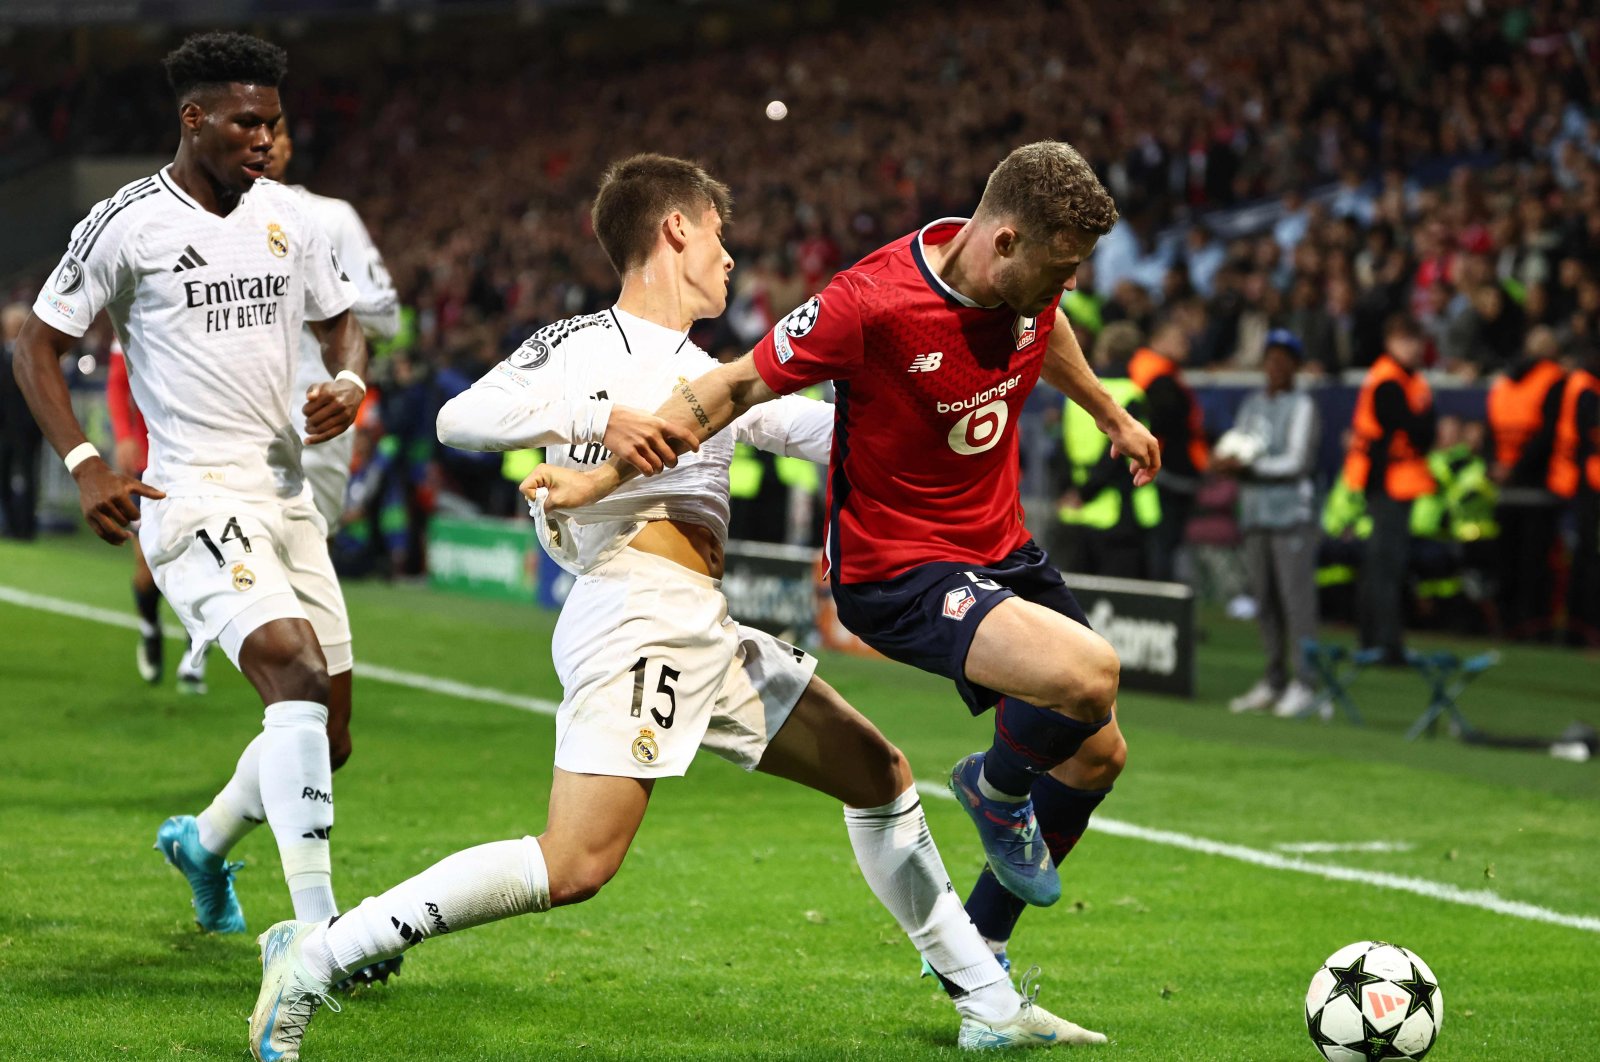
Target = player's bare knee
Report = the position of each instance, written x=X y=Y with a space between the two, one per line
x=888 y=776
x=1098 y=765
x=289 y=672
x=581 y=881
x=1099 y=674
x=339 y=749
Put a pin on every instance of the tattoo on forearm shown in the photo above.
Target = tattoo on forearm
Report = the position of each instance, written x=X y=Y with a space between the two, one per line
x=694 y=404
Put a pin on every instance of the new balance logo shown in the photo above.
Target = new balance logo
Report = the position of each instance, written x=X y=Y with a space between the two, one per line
x=318 y=834
x=190 y=259
x=1382 y=1005
x=926 y=362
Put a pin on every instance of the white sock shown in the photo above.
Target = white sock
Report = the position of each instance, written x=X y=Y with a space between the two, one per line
x=898 y=858
x=478 y=885
x=236 y=810
x=297 y=796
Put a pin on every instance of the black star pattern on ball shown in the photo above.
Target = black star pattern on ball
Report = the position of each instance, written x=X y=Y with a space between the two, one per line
x=1375 y=1045
x=1422 y=992
x=1350 y=980
x=1318 y=1037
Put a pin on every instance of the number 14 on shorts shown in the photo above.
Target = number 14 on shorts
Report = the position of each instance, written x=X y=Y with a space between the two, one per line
x=230 y=533
x=664 y=680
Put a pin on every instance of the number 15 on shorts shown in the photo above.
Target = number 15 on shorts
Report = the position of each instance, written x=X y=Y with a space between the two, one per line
x=665 y=677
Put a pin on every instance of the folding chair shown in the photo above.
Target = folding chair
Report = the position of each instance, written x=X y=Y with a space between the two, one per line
x=1336 y=669
x=1449 y=676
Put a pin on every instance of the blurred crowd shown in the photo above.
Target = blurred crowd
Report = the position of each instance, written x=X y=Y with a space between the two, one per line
x=1317 y=169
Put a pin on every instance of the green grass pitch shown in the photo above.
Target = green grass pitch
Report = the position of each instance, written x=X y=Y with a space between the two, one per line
x=739 y=926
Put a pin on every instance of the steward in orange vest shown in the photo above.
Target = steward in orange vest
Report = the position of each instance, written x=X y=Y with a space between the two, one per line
x=1524 y=407
x=1391 y=434
x=1575 y=475
x=1178 y=424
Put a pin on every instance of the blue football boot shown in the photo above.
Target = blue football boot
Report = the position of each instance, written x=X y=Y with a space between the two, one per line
x=1010 y=835
x=216 y=908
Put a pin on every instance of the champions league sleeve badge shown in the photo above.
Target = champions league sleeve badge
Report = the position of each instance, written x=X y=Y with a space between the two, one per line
x=69 y=278
x=798 y=324
x=277 y=240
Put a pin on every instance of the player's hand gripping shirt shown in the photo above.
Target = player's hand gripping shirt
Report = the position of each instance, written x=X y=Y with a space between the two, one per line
x=557 y=391
x=209 y=310
x=929 y=386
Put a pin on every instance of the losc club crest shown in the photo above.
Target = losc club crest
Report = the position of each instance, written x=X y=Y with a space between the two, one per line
x=645 y=749
x=243 y=578
x=958 y=602
x=1025 y=331
x=69 y=278
x=277 y=239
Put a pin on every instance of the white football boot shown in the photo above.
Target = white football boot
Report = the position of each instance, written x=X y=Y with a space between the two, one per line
x=290 y=994
x=1257 y=698
x=1032 y=1027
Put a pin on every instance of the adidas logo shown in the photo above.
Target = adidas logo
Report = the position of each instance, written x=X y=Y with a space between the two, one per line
x=1383 y=1004
x=190 y=259
x=320 y=833
x=407 y=934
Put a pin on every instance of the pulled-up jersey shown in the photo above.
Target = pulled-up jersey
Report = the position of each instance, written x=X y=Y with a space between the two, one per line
x=209 y=310
x=557 y=390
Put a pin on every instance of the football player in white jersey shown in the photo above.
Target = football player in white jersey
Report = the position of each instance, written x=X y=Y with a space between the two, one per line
x=208 y=272
x=652 y=667
x=377 y=307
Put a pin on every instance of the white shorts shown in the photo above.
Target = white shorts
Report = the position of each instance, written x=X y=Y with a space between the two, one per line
x=229 y=564
x=653 y=669
x=327 y=470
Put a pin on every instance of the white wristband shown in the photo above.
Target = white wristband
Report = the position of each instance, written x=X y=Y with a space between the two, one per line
x=346 y=374
x=78 y=455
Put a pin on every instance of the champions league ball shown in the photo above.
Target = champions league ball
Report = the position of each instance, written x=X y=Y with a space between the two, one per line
x=1372 y=1001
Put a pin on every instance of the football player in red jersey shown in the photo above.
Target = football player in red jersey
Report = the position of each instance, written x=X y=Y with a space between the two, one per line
x=933 y=344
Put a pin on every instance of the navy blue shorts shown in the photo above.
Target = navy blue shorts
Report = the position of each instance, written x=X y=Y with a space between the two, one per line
x=926 y=617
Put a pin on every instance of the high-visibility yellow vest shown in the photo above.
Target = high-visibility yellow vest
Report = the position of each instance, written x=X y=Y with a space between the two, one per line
x=1086 y=445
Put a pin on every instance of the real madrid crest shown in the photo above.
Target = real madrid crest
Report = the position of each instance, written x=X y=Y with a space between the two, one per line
x=645 y=749
x=244 y=579
x=277 y=239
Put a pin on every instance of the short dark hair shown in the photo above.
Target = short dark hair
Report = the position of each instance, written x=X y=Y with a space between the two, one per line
x=638 y=192
x=207 y=59
x=1403 y=324
x=1049 y=190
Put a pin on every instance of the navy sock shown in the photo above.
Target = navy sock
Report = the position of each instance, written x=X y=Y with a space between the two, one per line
x=1063 y=815
x=147 y=602
x=1028 y=741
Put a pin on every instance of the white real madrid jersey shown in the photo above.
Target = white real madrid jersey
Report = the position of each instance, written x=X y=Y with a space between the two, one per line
x=209 y=310
x=557 y=391
x=377 y=305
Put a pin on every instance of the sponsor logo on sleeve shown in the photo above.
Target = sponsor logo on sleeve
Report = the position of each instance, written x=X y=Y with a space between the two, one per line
x=69 y=278
x=65 y=309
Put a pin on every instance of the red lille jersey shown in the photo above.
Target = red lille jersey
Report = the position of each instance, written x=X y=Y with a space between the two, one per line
x=929 y=387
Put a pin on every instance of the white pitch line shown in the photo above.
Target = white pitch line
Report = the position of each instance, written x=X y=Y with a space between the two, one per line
x=1482 y=899
x=1328 y=847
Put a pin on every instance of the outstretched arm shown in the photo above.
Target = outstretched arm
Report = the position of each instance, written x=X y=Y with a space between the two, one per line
x=105 y=494
x=695 y=411
x=1066 y=369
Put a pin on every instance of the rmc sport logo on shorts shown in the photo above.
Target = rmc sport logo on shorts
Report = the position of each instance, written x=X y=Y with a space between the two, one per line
x=958 y=602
